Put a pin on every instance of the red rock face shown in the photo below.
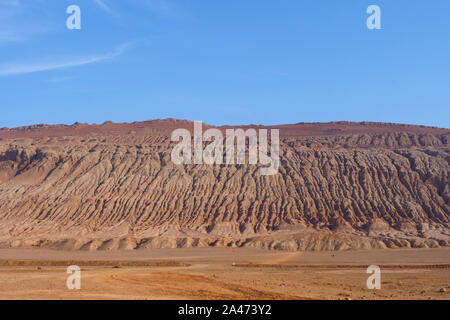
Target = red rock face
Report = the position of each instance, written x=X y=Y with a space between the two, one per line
x=113 y=186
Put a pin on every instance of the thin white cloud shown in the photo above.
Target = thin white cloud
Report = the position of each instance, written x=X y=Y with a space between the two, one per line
x=159 y=7
x=164 y=8
x=8 y=8
x=106 y=7
x=15 y=22
x=103 y=6
x=18 y=69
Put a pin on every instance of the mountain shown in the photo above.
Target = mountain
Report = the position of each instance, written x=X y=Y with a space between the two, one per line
x=340 y=185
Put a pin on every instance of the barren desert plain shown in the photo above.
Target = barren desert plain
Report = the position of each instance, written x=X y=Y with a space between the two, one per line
x=225 y=273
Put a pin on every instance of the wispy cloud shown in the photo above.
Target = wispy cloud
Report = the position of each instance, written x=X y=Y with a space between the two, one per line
x=24 y=68
x=105 y=7
x=164 y=8
x=8 y=8
x=15 y=22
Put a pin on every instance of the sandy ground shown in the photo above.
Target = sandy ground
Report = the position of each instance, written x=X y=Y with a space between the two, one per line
x=217 y=273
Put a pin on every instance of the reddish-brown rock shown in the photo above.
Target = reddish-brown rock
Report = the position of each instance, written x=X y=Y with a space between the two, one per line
x=340 y=186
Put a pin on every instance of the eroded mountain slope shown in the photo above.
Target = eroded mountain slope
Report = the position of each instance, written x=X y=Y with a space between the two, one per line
x=340 y=185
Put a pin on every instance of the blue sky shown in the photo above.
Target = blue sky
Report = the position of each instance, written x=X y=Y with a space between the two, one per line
x=224 y=62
